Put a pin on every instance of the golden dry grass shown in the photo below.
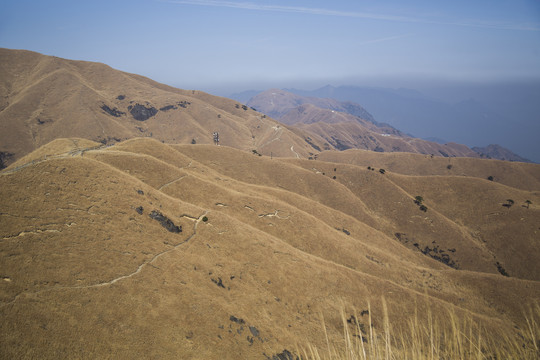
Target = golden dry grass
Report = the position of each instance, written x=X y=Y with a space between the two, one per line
x=45 y=98
x=430 y=336
x=87 y=273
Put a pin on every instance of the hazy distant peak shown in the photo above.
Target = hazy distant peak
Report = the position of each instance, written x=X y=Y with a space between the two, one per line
x=494 y=151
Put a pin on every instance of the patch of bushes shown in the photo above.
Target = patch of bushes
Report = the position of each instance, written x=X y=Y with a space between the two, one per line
x=418 y=201
x=501 y=269
x=509 y=203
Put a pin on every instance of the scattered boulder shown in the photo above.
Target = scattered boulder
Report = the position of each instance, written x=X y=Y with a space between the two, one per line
x=254 y=331
x=41 y=121
x=284 y=355
x=218 y=282
x=236 y=320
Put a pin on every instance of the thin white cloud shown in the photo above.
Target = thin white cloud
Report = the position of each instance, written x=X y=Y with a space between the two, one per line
x=388 y=38
x=290 y=9
x=352 y=14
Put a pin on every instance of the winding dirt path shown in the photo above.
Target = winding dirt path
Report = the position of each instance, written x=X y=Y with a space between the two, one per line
x=196 y=220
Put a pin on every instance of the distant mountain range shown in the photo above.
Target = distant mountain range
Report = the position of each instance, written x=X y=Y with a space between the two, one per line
x=503 y=114
x=407 y=110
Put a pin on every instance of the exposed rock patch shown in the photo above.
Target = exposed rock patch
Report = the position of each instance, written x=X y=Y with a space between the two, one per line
x=165 y=222
x=141 y=112
x=236 y=320
x=113 y=112
x=5 y=157
x=284 y=355
x=41 y=121
x=168 y=107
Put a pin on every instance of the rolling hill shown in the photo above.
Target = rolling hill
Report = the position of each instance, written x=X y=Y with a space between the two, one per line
x=153 y=250
x=125 y=233
x=44 y=98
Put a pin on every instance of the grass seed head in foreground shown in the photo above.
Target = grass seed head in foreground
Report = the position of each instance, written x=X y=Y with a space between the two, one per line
x=448 y=336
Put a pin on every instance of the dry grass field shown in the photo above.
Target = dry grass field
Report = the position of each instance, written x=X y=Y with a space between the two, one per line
x=43 y=98
x=125 y=234
x=149 y=250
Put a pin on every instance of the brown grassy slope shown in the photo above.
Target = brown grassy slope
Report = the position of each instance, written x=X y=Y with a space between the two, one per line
x=58 y=147
x=510 y=234
x=517 y=175
x=85 y=275
x=382 y=202
x=44 y=98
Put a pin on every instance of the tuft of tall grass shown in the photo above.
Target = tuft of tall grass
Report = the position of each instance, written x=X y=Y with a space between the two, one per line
x=428 y=338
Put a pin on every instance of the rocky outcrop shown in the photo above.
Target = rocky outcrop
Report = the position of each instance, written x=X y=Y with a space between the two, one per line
x=141 y=112
x=165 y=222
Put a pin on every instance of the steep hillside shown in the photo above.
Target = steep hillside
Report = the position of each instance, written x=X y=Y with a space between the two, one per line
x=44 y=98
x=143 y=249
x=345 y=125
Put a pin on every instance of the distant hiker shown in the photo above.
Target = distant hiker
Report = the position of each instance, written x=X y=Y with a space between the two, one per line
x=216 y=138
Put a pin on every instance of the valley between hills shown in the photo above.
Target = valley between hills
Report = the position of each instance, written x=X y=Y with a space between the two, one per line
x=124 y=238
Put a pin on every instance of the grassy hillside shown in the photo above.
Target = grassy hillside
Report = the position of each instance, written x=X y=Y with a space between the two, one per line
x=45 y=98
x=144 y=249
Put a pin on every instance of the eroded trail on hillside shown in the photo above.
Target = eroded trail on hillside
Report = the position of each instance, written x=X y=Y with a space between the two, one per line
x=195 y=219
x=72 y=153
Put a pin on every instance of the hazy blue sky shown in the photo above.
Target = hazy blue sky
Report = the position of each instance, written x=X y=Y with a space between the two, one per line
x=206 y=44
x=228 y=46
